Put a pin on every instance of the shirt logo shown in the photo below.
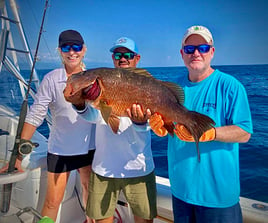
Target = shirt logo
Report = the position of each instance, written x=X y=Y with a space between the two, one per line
x=209 y=105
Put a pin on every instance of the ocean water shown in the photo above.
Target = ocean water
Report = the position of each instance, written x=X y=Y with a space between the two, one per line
x=253 y=155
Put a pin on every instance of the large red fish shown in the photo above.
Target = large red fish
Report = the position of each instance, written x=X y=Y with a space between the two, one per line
x=113 y=90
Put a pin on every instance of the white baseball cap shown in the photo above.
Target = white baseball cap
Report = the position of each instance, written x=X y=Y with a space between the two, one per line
x=199 y=30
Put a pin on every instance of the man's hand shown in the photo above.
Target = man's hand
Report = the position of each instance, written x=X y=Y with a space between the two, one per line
x=184 y=135
x=157 y=125
x=136 y=114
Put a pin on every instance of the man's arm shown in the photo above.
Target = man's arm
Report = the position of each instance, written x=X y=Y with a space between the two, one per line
x=232 y=133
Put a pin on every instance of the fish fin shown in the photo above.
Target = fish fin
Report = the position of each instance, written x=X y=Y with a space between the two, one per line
x=106 y=110
x=139 y=71
x=176 y=90
x=197 y=126
x=111 y=119
x=170 y=128
x=114 y=122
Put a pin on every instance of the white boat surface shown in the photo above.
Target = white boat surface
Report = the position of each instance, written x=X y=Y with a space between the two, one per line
x=29 y=187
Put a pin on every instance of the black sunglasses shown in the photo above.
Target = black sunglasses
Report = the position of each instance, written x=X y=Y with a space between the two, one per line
x=127 y=56
x=190 y=49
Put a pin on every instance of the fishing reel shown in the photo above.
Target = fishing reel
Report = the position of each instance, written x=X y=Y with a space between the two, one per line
x=26 y=147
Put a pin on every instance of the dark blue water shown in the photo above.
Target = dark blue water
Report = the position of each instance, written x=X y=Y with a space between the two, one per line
x=253 y=155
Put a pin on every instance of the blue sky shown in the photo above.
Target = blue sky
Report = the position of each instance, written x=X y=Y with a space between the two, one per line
x=239 y=28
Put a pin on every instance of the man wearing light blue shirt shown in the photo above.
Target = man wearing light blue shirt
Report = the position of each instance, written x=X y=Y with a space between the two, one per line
x=207 y=191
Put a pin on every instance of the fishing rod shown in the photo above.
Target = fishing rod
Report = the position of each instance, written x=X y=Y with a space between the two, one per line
x=22 y=146
x=23 y=110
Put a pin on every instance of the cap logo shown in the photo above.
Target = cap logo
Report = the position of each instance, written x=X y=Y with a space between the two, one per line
x=196 y=28
x=122 y=41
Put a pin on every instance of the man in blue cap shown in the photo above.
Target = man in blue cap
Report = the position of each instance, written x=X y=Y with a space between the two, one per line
x=122 y=162
x=125 y=53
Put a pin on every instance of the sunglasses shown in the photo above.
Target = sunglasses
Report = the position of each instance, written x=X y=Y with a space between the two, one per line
x=190 y=49
x=76 y=48
x=127 y=56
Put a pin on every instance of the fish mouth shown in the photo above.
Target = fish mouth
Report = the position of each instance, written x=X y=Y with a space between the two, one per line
x=92 y=92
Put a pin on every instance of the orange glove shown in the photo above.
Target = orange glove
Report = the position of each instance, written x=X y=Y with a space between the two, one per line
x=185 y=135
x=157 y=125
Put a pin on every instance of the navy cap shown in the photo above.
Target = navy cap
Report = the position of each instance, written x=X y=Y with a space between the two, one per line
x=70 y=36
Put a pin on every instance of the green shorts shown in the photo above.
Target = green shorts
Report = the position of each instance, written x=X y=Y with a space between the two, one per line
x=140 y=193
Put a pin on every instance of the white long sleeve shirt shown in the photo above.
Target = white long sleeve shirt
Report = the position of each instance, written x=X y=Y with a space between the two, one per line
x=70 y=134
x=125 y=154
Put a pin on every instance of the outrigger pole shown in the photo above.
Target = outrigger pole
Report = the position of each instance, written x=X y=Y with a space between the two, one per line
x=15 y=152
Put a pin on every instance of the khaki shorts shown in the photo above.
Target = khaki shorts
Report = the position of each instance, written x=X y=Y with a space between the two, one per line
x=140 y=193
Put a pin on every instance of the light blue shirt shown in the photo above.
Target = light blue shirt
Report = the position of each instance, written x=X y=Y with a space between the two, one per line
x=214 y=181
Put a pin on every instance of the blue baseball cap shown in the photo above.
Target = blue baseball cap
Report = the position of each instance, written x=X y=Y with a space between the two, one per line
x=125 y=42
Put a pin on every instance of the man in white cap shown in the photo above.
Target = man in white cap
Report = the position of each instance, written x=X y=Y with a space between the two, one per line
x=207 y=191
x=125 y=53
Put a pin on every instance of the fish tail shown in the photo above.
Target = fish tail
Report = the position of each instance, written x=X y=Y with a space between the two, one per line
x=197 y=126
x=197 y=150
